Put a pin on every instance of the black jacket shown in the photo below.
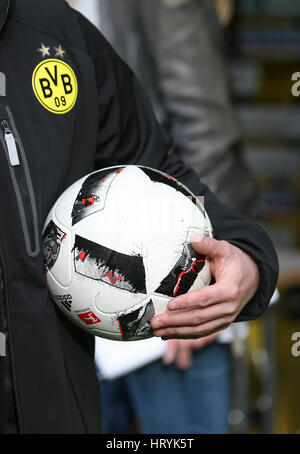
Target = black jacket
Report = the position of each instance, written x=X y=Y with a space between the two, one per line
x=62 y=130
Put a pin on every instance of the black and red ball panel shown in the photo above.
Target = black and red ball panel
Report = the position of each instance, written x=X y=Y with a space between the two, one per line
x=98 y=262
x=184 y=273
x=137 y=323
x=92 y=195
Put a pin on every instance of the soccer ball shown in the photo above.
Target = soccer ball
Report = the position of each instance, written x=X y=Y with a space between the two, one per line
x=117 y=248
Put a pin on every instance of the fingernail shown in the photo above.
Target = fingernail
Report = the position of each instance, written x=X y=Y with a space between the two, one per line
x=172 y=306
x=155 y=324
x=196 y=239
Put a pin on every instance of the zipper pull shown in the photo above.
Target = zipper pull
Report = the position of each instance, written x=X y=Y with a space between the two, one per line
x=11 y=144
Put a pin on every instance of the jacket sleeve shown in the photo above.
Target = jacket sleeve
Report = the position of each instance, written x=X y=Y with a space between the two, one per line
x=129 y=133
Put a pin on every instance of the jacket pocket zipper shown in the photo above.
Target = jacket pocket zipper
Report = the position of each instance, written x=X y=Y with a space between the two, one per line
x=21 y=180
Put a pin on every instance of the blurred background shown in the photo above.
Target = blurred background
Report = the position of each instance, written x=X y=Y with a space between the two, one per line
x=261 y=45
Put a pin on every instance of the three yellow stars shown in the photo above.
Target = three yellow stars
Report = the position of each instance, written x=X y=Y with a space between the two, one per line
x=45 y=51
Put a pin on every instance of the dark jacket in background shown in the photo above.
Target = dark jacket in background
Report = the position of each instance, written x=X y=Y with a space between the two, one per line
x=175 y=47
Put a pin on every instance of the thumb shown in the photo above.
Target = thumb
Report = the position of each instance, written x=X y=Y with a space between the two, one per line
x=206 y=246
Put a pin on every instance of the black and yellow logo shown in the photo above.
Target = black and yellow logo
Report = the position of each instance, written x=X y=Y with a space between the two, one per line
x=55 y=85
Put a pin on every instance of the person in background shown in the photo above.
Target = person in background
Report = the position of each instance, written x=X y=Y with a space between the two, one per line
x=175 y=48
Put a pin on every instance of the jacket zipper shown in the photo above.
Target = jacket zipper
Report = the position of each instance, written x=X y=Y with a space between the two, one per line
x=21 y=180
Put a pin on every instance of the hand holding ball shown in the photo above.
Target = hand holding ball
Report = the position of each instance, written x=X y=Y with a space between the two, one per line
x=117 y=248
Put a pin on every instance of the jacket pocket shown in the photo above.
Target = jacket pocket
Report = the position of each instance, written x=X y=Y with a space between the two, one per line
x=21 y=181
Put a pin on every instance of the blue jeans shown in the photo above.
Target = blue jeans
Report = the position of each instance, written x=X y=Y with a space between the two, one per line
x=163 y=399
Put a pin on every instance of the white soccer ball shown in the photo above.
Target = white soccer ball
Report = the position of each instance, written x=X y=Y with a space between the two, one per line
x=117 y=249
